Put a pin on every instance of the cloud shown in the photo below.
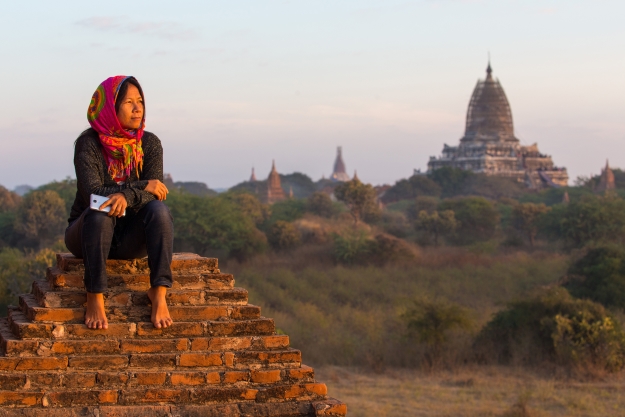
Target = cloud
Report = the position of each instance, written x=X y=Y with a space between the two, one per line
x=168 y=30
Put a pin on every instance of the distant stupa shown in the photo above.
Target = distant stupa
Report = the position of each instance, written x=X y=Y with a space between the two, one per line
x=253 y=177
x=606 y=181
x=339 y=173
x=274 y=187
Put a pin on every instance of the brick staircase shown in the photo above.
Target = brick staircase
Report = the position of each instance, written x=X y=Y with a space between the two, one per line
x=219 y=358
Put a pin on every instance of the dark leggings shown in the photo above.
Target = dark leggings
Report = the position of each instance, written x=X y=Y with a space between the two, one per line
x=96 y=237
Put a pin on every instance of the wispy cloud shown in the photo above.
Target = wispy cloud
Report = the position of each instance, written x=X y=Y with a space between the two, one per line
x=169 y=30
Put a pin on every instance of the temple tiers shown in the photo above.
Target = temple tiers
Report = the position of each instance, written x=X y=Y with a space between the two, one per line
x=489 y=145
x=606 y=180
x=275 y=192
x=339 y=173
x=219 y=358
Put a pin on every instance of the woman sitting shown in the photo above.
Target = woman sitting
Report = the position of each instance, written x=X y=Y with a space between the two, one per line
x=117 y=159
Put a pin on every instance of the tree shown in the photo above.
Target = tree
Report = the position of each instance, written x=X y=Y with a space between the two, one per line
x=476 y=216
x=525 y=218
x=321 y=204
x=359 y=198
x=436 y=224
x=249 y=206
x=41 y=217
x=283 y=235
x=451 y=180
x=9 y=201
x=417 y=185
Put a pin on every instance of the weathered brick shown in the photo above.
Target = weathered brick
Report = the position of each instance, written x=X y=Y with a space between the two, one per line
x=185 y=297
x=177 y=329
x=45 y=380
x=80 y=397
x=10 y=398
x=59 y=278
x=188 y=378
x=78 y=380
x=150 y=378
x=112 y=378
x=329 y=407
x=265 y=376
x=194 y=313
x=41 y=364
x=89 y=347
x=115 y=331
x=118 y=300
x=222 y=394
x=221 y=343
x=229 y=359
x=139 y=410
x=245 y=312
x=16 y=347
x=291 y=356
x=12 y=381
x=255 y=327
x=303 y=372
x=290 y=392
x=213 y=377
x=153 y=360
x=229 y=296
x=8 y=364
x=200 y=359
x=231 y=377
x=154 y=345
x=154 y=395
x=275 y=342
x=99 y=362
x=218 y=281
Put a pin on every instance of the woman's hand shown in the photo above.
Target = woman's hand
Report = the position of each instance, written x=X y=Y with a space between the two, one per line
x=118 y=204
x=157 y=188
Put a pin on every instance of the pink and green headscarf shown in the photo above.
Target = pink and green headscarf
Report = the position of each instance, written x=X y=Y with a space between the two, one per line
x=122 y=148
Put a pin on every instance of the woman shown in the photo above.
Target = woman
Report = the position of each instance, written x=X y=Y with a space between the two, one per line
x=116 y=158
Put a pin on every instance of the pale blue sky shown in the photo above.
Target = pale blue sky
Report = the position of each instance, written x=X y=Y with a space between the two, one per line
x=234 y=84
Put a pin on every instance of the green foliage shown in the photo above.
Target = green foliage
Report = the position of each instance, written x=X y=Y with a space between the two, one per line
x=476 y=216
x=41 y=217
x=417 y=185
x=66 y=189
x=9 y=201
x=359 y=198
x=451 y=180
x=194 y=187
x=283 y=235
x=320 y=204
x=352 y=247
x=590 y=219
x=250 y=206
x=553 y=196
x=287 y=210
x=555 y=327
x=526 y=217
x=395 y=223
x=599 y=276
x=204 y=225
x=301 y=184
x=436 y=224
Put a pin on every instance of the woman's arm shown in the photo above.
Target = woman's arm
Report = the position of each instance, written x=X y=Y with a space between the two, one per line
x=150 y=185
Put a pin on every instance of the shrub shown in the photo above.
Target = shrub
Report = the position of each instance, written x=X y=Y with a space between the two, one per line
x=554 y=327
x=386 y=248
x=352 y=247
x=599 y=276
x=417 y=185
x=526 y=217
x=283 y=235
x=320 y=204
x=359 y=198
x=287 y=210
x=476 y=216
x=436 y=224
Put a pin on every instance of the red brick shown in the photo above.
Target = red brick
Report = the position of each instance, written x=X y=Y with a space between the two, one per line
x=41 y=364
x=213 y=378
x=8 y=364
x=230 y=377
x=68 y=347
x=177 y=329
x=193 y=313
x=265 y=376
x=150 y=378
x=153 y=360
x=12 y=381
x=44 y=380
x=99 y=362
x=277 y=341
x=115 y=331
x=229 y=359
x=154 y=345
x=270 y=357
x=78 y=380
x=154 y=395
x=112 y=378
x=229 y=343
x=80 y=397
x=241 y=328
x=222 y=394
x=188 y=378
x=245 y=312
x=10 y=398
x=200 y=359
x=329 y=407
x=303 y=372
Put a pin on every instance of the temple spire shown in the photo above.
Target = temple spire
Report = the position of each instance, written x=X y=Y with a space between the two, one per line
x=253 y=177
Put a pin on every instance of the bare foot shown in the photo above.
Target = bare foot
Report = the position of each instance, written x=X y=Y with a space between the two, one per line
x=95 y=317
x=160 y=313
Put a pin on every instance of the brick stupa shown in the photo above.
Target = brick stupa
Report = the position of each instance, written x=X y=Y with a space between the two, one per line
x=219 y=358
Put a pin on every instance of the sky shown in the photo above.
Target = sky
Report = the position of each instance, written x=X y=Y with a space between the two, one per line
x=231 y=85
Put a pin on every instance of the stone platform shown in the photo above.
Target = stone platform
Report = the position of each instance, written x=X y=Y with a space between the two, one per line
x=219 y=358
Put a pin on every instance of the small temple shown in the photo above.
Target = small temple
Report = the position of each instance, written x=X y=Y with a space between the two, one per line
x=275 y=192
x=606 y=180
x=339 y=174
x=489 y=145
x=253 y=176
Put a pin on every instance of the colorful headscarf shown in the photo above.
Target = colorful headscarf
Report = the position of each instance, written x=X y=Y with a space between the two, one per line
x=122 y=148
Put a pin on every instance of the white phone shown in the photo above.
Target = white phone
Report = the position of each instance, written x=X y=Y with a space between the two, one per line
x=95 y=201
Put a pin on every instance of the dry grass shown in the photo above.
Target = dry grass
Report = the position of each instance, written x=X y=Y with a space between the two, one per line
x=476 y=391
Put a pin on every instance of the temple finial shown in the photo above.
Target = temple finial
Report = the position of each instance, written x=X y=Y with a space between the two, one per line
x=489 y=69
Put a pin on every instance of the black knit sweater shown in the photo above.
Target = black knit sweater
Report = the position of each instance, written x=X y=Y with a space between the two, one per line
x=93 y=178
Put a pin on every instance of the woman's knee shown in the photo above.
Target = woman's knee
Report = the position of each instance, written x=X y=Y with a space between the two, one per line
x=157 y=212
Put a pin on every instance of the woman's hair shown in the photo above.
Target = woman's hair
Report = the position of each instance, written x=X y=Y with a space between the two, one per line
x=123 y=89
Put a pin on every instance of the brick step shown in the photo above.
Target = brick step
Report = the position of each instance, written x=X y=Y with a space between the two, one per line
x=47 y=297
x=35 y=313
x=181 y=262
x=60 y=281
x=24 y=329
x=242 y=401
x=13 y=347
x=317 y=408
x=256 y=378
x=242 y=359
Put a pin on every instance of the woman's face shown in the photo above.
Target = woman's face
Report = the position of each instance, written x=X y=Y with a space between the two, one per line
x=130 y=112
